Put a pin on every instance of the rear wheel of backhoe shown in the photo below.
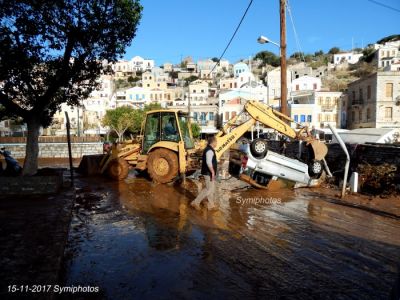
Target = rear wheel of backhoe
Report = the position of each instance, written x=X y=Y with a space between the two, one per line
x=162 y=165
x=118 y=169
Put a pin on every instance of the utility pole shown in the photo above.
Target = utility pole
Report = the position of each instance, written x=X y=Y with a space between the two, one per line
x=282 y=5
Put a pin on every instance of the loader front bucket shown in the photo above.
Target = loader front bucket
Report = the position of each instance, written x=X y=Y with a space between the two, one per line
x=91 y=164
x=320 y=149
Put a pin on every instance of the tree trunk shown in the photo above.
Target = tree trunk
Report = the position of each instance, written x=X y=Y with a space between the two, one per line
x=32 y=148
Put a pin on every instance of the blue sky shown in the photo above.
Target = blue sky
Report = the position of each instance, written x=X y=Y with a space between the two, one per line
x=171 y=29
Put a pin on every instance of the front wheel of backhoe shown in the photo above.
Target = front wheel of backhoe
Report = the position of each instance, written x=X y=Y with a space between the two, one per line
x=162 y=165
x=118 y=169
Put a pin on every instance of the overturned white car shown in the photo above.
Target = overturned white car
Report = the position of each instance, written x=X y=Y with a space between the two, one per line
x=258 y=166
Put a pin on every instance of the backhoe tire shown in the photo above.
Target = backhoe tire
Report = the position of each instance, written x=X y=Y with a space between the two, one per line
x=258 y=148
x=163 y=165
x=118 y=169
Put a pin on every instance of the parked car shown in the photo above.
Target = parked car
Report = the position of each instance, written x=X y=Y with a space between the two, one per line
x=255 y=164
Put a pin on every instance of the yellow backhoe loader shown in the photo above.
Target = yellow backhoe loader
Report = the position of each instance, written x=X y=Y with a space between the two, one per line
x=166 y=149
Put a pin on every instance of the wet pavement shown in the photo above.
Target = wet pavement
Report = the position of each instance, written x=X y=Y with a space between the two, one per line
x=138 y=240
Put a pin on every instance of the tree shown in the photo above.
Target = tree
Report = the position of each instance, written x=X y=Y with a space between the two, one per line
x=297 y=55
x=121 y=119
x=368 y=54
x=269 y=58
x=215 y=59
x=190 y=79
x=52 y=52
x=319 y=53
x=334 y=50
x=196 y=130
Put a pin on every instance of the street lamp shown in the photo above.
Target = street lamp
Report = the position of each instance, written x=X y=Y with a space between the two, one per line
x=264 y=40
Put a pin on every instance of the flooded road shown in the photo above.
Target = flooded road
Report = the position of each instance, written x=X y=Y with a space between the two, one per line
x=139 y=240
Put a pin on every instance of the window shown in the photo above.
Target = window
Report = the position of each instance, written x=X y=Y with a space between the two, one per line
x=388 y=112
x=297 y=87
x=211 y=116
x=302 y=118
x=152 y=131
x=296 y=118
x=368 y=114
x=195 y=116
x=320 y=100
x=169 y=131
x=314 y=86
x=353 y=116
x=194 y=91
x=327 y=118
x=360 y=116
x=235 y=84
x=148 y=85
x=230 y=85
x=389 y=90
x=353 y=94
x=202 y=91
x=131 y=96
x=369 y=92
x=203 y=116
x=309 y=118
x=328 y=101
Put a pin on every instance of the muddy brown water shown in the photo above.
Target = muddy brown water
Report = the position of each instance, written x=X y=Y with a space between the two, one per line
x=138 y=240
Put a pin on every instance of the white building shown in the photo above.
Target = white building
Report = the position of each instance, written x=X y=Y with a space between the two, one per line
x=349 y=57
x=198 y=92
x=387 y=55
x=306 y=83
x=273 y=82
x=130 y=67
x=140 y=64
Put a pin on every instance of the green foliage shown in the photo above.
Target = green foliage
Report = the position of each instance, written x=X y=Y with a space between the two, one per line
x=390 y=38
x=190 y=79
x=334 y=50
x=319 y=53
x=196 y=130
x=123 y=118
x=368 y=54
x=173 y=74
x=151 y=106
x=132 y=79
x=298 y=55
x=51 y=52
x=269 y=58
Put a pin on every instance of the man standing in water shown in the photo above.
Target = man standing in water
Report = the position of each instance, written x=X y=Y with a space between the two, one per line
x=209 y=171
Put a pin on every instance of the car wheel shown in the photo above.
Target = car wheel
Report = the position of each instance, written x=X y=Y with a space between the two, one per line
x=315 y=168
x=258 y=148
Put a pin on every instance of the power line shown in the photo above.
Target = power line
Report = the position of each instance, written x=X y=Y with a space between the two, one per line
x=233 y=36
x=385 y=5
x=296 y=37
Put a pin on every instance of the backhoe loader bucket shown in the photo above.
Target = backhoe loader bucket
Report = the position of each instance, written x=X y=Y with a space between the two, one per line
x=91 y=164
x=320 y=149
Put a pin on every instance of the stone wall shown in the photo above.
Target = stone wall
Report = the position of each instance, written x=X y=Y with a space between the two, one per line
x=56 y=150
